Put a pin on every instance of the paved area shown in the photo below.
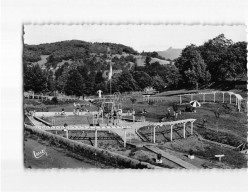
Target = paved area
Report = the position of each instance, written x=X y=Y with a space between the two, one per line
x=174 y=159
x=36 y=122
x=133 y=138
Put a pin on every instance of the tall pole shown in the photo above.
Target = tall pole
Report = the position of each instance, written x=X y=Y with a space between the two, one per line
x=154 y=135
x=110 y=86
x=95 y=137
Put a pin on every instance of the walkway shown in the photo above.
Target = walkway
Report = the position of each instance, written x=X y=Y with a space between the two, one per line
x=36 y=123
x=127 y=131
x=131 y=131
x=174 y=159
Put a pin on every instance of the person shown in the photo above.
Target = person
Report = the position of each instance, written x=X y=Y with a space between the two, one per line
x=77 y=111
x=63 y=111
x=191 y=154
x=115 y=117
x=133 y=113
x=204 y=122
x=107 y=116
x=26 y=112
x=159 y=159
x=99 y=93
x=176 y=114
x=100 y=111
x=144 y=111
x=65 y=129
x=119 y=112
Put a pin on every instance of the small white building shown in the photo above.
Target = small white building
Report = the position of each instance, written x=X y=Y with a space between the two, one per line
x=149 y=90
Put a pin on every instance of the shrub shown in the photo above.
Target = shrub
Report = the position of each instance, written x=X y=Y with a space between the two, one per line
x=150 y=103
x=55 y=100
x=175 y=106
x=133 y=100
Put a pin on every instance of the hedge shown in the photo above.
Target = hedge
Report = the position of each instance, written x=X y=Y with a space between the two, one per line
x=91 y=152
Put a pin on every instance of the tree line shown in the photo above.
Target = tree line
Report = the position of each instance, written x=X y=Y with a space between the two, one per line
x=216 y=60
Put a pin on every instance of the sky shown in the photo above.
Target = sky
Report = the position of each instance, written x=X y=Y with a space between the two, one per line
x=139 y=37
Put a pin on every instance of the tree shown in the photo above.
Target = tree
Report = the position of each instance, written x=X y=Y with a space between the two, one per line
x=235 y=60
x=158 y=83
x=62 y=79
x=99 y=78
x=74 y=83
x=192 y=67
x=148 y=60
x=170 y=75
x=34 y=79
x=133 y=100
x=143 y=79
x=215 y=54
x=126 y=82
x=50 y=81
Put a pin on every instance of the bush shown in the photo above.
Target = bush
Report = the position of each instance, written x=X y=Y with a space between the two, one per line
x=150 y=103
x=55 y=100
x=175 y=106
x=133 y=100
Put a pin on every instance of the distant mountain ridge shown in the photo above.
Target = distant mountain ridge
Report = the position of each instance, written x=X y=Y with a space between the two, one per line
x=170 y=53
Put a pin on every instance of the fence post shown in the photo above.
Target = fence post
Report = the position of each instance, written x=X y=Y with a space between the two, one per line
x=184 y=128
x=154 y=134
x=125 y=137
x=171 y=132
x=95 y=138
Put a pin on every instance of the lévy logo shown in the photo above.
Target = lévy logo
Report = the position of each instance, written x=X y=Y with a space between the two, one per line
x=39 y=152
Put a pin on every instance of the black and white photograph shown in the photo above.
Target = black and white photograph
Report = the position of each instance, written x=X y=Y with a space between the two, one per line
x=135 y=96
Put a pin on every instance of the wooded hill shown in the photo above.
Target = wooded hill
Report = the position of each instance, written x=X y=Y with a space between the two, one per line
x=94 y=55
x=77 y=67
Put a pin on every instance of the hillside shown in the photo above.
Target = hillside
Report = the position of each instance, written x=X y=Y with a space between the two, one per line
x=170 y=53
x=94 y=55
x=141 y=60
x=73 y=49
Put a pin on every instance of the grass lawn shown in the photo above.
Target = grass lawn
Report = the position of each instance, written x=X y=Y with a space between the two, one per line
x=207 y=151
x=230 y=120
x=230 y=128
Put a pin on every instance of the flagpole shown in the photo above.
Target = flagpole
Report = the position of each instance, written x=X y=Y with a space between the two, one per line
x=110 y=71
x=111 y=76
x=110 y=86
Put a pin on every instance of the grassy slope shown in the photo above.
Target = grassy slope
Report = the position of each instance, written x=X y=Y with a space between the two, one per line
x=56 y=157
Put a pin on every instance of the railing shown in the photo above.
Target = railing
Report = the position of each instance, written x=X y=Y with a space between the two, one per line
x=47 y=97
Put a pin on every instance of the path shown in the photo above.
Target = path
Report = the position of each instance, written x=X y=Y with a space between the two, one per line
x=36 y=122
x=133 y=138
x=174 y=159
x=131 y=132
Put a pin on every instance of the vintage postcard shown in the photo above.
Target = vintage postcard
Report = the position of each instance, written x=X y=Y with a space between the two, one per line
x=135 y=96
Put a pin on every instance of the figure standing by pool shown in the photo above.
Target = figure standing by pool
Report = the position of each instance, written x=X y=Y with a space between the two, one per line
x=133 y=113
x=99 y=93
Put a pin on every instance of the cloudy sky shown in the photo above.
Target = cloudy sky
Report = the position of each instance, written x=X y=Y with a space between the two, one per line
x=140 y=37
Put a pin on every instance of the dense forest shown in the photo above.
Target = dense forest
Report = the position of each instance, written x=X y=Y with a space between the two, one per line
x=77 y=67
